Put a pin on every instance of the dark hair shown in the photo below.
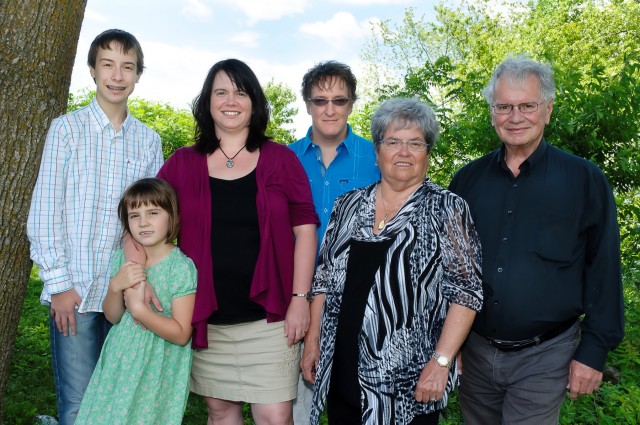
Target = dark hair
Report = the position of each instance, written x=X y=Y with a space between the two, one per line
x=404 y=113
x=322 y=74
x=206 y=140
x=126 y=41
x=151 y=191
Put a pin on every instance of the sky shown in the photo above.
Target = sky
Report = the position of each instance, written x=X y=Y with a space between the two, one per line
x=278 y=39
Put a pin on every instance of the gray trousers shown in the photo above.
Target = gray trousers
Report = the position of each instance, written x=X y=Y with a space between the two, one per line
x=525 y=387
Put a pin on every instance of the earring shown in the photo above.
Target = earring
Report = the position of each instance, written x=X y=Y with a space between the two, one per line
x=376 y=163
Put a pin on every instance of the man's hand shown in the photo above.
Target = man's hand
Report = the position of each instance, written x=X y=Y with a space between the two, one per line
x=582 y=379
x=63 y=310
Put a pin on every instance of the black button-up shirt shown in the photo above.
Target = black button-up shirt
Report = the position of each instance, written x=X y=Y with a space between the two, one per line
x=551 y=249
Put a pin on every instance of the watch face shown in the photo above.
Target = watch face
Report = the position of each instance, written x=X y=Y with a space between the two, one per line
x=442 y=361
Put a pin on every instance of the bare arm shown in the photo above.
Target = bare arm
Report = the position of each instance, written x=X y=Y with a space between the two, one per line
x=304 y=258
x=311 y=354
x=176 y=329
x=433 y=379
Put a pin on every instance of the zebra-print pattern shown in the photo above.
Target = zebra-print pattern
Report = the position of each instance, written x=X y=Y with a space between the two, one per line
x=434 y=260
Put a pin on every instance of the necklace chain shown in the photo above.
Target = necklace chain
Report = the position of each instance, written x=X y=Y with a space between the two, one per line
x=230 y=163
x=383 y=222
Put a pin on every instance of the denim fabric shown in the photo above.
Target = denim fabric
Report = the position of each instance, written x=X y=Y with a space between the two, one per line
x=73 y=359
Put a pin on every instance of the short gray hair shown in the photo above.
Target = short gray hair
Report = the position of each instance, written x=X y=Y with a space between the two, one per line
x=519 y=68
x=405 y=113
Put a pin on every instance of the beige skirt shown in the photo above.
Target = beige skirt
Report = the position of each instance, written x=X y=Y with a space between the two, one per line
x=247 y=362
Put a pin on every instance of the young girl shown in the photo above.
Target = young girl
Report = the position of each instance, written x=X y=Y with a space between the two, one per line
x=142 y=376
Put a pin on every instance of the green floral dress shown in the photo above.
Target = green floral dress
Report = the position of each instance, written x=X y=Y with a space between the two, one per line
x=141 y=378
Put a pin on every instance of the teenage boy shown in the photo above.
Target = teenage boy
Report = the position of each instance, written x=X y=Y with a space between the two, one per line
x=90 y=156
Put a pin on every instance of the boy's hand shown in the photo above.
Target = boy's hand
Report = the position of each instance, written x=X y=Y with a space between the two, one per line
x=63 y=310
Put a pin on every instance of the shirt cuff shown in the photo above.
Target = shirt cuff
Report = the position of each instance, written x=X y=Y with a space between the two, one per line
x=593 y=356
x=56 y=280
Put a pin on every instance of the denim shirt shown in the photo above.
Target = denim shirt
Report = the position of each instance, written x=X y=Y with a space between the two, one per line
x=353 y=167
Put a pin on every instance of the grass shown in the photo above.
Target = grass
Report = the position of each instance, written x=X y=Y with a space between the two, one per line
x=30 y=389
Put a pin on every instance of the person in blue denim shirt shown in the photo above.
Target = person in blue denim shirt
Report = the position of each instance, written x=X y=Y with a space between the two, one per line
x=335 y=159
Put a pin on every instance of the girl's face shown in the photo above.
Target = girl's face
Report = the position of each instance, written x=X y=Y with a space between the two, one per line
x=149 y=225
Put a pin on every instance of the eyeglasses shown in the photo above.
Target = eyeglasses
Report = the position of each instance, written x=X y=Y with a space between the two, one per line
x=506 y=108
x=412 y=145
x=321 y=101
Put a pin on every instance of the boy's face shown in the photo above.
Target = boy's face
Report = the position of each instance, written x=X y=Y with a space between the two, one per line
x=115 y=74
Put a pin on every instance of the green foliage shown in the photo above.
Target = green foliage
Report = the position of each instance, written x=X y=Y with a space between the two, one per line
x=174 y=126
x=280 y=98
x=446 y=63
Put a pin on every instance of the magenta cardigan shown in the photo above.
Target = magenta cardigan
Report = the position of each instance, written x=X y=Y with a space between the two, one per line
x=284 y=200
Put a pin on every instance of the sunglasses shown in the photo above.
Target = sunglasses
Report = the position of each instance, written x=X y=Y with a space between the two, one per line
x=321 y=101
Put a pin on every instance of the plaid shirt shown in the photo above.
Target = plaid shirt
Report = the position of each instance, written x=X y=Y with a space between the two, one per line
x=73 y=224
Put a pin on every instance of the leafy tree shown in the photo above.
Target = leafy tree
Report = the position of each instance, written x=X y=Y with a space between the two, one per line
x=447 y=63
x=280 y=98
x=39 y=40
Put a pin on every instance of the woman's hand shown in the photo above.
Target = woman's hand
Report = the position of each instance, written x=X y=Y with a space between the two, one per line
x=296 y=323
x=432 y=382
x=310 y=356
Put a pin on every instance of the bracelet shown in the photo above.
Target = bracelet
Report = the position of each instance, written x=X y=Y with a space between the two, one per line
x=305 y=295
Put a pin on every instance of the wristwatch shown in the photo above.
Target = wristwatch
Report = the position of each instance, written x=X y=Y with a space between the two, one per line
x=441 y=360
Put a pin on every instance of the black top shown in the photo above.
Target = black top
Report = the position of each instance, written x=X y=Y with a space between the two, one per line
x=365 y=259
x=550 y=248
x=235 y=244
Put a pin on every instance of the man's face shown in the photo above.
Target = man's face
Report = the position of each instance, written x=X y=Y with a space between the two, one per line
x=115 y=74
x=329 y=121
x=518 y=130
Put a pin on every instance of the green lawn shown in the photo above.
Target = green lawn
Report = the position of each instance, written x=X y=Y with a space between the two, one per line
x=30 y=390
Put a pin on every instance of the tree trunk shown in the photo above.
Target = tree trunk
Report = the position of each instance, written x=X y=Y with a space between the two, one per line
x=38 y=41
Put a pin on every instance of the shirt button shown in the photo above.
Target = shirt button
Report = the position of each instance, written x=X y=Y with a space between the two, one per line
x=499 y=269
x=504 y=239
x=326 y=210
x=515 y=185
x=496 y=302
x=326 y=183
x=509 y=212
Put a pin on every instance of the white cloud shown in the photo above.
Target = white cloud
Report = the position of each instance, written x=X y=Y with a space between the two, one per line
x=196 y=9
x=94 y=16
x=264 y=10
x=341 y=31
x=247 y=39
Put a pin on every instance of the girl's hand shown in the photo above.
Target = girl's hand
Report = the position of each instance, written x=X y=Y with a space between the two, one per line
x=134 y=299
x=130 y=274
x=296 y=323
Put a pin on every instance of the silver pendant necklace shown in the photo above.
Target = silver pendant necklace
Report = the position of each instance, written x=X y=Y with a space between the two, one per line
x=230 y=163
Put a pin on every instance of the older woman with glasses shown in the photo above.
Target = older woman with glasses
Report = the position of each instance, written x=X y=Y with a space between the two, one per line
x=397 y=286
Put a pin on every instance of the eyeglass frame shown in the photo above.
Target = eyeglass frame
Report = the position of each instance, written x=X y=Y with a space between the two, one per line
x=321 y=101
x=519 y=106
x=401 y=143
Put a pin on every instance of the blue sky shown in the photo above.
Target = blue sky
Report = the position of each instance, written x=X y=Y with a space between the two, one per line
x=278 y=39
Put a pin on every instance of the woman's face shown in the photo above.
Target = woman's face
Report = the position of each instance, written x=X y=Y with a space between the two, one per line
x=404 y=167
x=230 y=106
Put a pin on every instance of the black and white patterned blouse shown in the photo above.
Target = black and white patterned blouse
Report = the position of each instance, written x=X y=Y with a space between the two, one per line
x=434 y=259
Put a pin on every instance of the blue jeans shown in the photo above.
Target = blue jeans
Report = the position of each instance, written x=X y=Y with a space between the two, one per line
x=73 y=359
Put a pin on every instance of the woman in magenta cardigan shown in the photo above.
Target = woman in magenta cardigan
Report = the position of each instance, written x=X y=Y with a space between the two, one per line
x=249 y=224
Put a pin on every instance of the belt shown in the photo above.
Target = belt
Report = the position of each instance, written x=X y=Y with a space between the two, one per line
x=526 y=343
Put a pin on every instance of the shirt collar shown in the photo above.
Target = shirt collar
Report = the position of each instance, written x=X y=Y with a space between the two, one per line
x=102 y=120
x=530 y=162
x=348 y=142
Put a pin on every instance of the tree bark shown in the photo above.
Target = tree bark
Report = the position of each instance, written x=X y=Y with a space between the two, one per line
x=38 y=42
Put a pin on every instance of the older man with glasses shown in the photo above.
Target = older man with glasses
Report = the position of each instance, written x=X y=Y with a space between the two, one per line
x=553 y=305
x=335 y=159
